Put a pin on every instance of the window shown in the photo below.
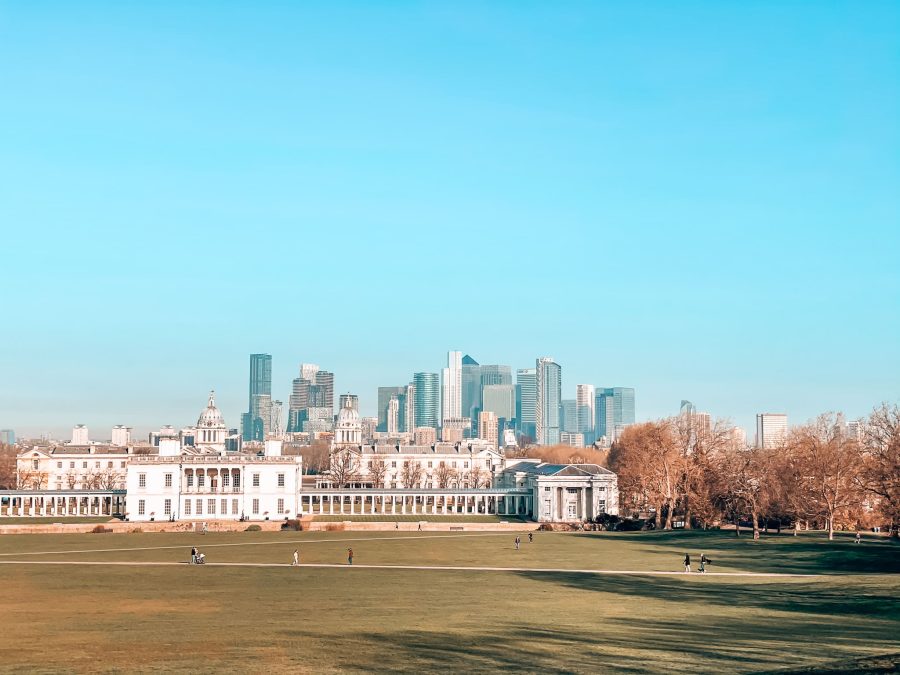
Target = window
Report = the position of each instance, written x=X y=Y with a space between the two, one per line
x=199 y=507
x=109 y=465
x=487 y=464
x=142 y=480
x=602 y=506
x=547 y=489
x=59 y=465
x=97 y=464
x=187 y=507
x=167 y=507
x=122 y=464
x=225 y=477
x=465 y=465
x=393 y=465
x=142 y=503
x=190 y=480
x=211 y=506
x=34 y=464
x=255 y=507
x=280 y=481
x=237 y=481
x=71 y=465
x=601 y=489
x=256 y=480
x=280 y=506
x=224 y=506
x=84 y=465
x=201 y=479
x=454 y=465
x=168 y=480
x=370 y=465
x=572 y=511
x=572 y=491
x=234 y=507
x=429 y=464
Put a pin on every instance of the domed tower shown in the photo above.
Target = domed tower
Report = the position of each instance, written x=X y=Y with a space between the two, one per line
x=211 y=429
x=348 y=430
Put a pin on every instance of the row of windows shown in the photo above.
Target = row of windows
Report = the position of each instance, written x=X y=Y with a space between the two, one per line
x=167 y=507
x=487 y=464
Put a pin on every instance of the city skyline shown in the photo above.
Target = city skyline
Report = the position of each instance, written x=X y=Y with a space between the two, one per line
x=646 y=195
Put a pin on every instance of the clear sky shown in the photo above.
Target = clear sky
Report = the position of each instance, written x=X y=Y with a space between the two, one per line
x=697 y=199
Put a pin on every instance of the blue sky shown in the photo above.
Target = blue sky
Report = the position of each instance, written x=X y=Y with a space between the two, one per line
x=696 y=199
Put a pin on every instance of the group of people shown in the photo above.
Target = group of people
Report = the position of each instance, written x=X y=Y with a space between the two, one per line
x=197 y=558
x=704 y=561
x=519 y=539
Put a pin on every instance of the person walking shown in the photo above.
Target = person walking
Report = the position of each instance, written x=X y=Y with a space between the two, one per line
x=703 y=561
x=420 y=527
x=296 y=558
x=518 y=541
x=530 y=537
x=687 y=562
x=193 y=555
x=858 y=536
x=349 y=556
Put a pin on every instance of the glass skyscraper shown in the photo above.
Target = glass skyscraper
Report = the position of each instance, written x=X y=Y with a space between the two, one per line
x=548 y=377
x=256 y=422
x=526 y=400
x=427 y=399
x=615 y=410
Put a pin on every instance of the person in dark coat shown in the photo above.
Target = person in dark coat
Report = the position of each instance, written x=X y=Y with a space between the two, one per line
x=687 y=562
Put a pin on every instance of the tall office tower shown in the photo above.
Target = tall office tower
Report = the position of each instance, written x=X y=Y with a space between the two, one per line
x=276 y=419
x=325 y=380
x=317 y=397
x=408 y=409
x=7 y=436
x=384 y=398
x=121 y=436
x=614 y=411
x=308 y=371
x=349 y=401
x=368 y=425
x=687 y=408
x=584 y=403
x=427 y=400
x=487 y=427
x=526 y=401
x=470 y=389
x=495 y=374
x=499 y=399
x=548 y=382
x=80 y=435
x=856 y=429
x=568 y=415
x=451 y=387
x=771 y=429
x=254 y=427
x=298 y=403
x=393 y=415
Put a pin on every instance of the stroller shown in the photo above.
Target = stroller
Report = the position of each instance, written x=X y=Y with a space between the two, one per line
x=201 y=558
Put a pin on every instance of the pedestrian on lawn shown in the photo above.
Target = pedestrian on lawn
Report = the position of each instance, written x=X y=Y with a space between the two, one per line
x=530 y=537
x=518 y=541
x=193 y=555
x=296 y=557
x=687 y=562
x=858 y=536
x=703 y=562
x=349 y=556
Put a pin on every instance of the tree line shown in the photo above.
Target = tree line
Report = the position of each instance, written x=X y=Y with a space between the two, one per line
x=689 y=470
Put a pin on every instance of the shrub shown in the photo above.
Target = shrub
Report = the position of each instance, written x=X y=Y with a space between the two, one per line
x=136 y=530
x=292 y=525
x=99 y=529
x=253 y=528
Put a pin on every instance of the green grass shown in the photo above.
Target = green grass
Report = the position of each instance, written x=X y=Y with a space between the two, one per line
x=355 y=619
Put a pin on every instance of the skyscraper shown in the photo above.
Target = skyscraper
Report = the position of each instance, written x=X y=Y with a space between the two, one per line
x=548 y=378
x=771 y=429
x=384 y=398
x=257 y=421
x=568 y=415
x=325 y=380
x=487 y=427
x=427 y=400
x=393 y=415
x=499 y=399
x=408 y=408
x=526 y=401
x=298 y=404
x=470 y=389
x=451 y=387
x=584 y=401
x=614 y=409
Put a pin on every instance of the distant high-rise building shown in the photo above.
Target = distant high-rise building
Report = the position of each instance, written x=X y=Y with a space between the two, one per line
x=256 y=424
x=308 y=371
x=393 y=415
x=771 y=429
x=7 y=436
x=487 y=427
x=385 y=394
x=425 y=435
x=856 y=429
x=408 y=409
x=574 y=440
x=614 y=410
x=349 y=401
x=585 y=404
x=427 y=400
x=80 y=435
x=451 y=387
x=121 y=436
x=368 y=425
x=298 y=403
x=568 y=415
x=276 y=419
x=687 y=408
x=470 y=392
x=526 y=401
x=495 y=374
x=325 y=380
x=499 y=399
x=549 y=394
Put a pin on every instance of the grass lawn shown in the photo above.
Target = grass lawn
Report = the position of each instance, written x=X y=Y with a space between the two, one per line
x=314 y=619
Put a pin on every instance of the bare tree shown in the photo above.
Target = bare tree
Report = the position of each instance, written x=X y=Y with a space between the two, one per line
x=880 y=472
x=478 y=477
x=90 y=480
x=109 y=479
x=378 y=471
x=444 y=475
x=32 y=479
x=71 y=479
x=744 y=489
x=344 y=468
x=411 y=473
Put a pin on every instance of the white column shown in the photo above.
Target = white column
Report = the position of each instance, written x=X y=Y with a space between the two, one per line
x=584 y=513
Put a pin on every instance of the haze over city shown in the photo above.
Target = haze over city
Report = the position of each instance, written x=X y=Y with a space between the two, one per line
x=699 y=205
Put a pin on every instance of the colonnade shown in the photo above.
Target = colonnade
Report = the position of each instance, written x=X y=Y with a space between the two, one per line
x=60 y=506
x=332 y=502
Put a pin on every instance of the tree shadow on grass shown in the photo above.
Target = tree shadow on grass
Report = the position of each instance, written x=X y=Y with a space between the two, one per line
x=784 y=553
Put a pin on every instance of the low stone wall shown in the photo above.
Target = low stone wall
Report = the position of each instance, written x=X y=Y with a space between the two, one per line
x=118 y=526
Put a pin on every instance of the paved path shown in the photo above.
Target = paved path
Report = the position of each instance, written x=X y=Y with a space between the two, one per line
x=453 y=568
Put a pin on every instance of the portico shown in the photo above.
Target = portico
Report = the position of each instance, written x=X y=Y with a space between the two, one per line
x=61 y=503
